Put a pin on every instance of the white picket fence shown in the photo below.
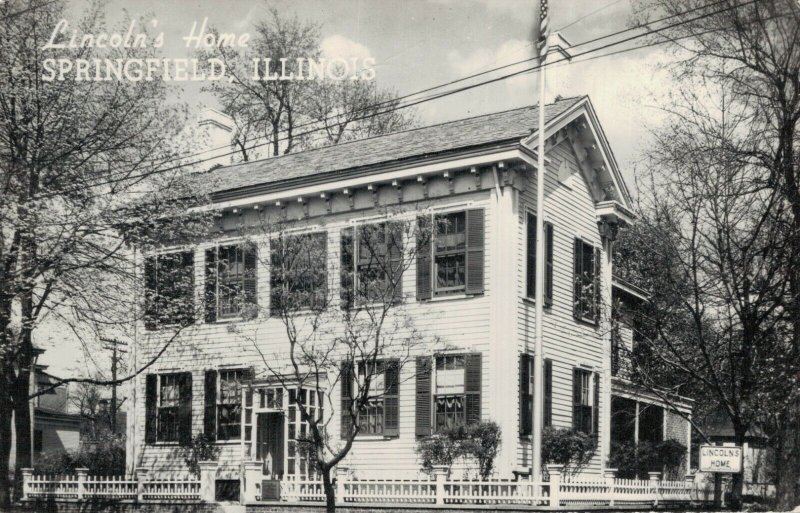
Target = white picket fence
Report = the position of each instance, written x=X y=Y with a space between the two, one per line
x=560 y=491
x=85 y=487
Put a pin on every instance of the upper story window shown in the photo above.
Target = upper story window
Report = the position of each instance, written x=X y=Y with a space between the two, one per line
x=169 y=289
x=230 y=280
x=585 y=400
x=586 y=292
x=168 y=404
x=530 y=285
x=371 y=263
x=298 y=272
x=450 y=254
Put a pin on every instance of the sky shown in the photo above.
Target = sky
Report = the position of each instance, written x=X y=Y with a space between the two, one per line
x=417 y=44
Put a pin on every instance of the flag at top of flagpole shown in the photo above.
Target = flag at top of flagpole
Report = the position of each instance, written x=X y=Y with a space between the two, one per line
x=541 y=30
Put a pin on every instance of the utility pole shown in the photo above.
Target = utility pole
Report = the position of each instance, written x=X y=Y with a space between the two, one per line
x=113 y=346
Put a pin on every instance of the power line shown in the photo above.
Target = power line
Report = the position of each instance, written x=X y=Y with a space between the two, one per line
x=457 y=90
x=600 y=9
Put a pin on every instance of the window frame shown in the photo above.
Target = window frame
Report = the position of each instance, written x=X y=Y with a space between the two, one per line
x=383 y=363
x=176 y=415
x=435 y=428
x=436 y=290
x=153 y=318
x=581 y=283
x=313 y=300
x=219 y=404
x=530 y=259
x=590 y=395
x=385 y=226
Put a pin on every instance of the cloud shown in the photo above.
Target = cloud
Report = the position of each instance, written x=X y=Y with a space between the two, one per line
x=338 y=45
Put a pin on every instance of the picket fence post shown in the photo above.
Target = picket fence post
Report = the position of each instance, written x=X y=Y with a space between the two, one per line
x=208 y=474
x=82 y=473
x=610 y=475
x=689 y=483
x=655 y=477
x=554 y=471
x=342 y=473
x=27 y=475
x=141 y=477
x=440 y=474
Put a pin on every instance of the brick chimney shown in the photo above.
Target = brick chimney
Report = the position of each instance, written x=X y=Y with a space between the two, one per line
x=215 y=130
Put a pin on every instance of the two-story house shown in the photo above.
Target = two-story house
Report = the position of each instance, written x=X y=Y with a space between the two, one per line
x=471 y=287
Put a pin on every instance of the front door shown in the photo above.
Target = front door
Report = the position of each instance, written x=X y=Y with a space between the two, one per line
x=269 y=443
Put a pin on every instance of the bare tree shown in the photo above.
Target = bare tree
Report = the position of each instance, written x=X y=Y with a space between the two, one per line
x=287 y=115
x=76 y=159
x=358 y=343
x=710 y=247
x=752 y=51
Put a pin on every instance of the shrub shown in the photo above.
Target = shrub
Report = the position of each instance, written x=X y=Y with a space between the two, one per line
x=106 y=458
x=635 y=460
x=479 y=441
x=572 y=449
x=201 y=448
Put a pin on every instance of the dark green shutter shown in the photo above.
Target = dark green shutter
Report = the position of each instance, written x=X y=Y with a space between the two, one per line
x=548 y=393
x=472 y=387
x=211 y=285
x=250 y=274
x=185 y=408
x=277 y=274
x=151 y=408
x=346 y=269
x=577 y=278
x=186 y=287
x=210 y=411
x=346 y=387
x=531 y=260
x=394 y=238
x=577 y=410
x=525 y=397
x=475 y=251
x=391 y=403
x=596 y=300
x=596 y=405
x=423 y=396
x=424 y=285
x=548 y=270
x=150 y=293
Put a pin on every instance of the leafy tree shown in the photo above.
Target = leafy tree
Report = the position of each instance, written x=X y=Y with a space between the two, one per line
x=76 y=159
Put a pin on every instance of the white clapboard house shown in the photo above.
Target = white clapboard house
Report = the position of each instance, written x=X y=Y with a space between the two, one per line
x=478 y=173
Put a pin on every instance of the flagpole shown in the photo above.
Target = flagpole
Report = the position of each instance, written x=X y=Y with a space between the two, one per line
x=538 y=361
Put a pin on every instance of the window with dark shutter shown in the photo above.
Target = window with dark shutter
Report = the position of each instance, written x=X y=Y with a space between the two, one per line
x=586 y=290
x=548 y=393
x=229 y=403
x=423 y=404
x=379 y=414
x=531 y=260
x=298 y=273
x=170 y=415
x=457 y=390
x=377 y=256
x=582 y=401
x=457 y=252
x=346 y=400
x=231 y=281
x=526 y=384
x=169 y=289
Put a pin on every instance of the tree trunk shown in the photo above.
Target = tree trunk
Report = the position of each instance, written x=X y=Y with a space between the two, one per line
x=787 y=466
x=330 y=491
x=5 y=449
x=739 y=432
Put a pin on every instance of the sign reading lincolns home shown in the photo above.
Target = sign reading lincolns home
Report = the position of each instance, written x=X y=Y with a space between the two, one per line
x=722 y=459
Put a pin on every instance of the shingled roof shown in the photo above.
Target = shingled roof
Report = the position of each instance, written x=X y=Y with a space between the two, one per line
x=462 y=134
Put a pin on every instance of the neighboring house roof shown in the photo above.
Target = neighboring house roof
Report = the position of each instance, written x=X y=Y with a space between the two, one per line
x=718 y=425
x=486 y=130
x=43 y=413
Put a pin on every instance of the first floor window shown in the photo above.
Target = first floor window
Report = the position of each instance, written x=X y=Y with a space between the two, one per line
x=585 y=390
x=527 y=387
x=169 y=289
x=169 y=407
x=229 y=406
x=450 y=401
